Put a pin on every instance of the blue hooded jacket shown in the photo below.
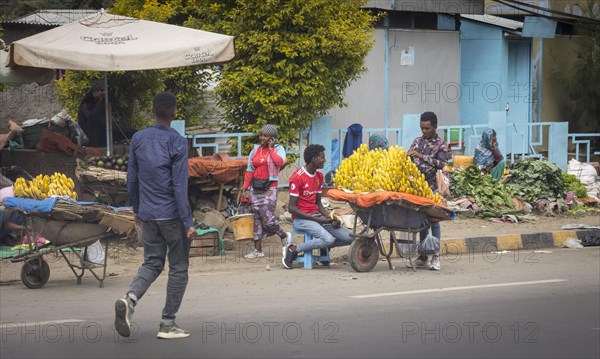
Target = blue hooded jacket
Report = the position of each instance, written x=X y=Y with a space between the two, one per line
x=353 y=139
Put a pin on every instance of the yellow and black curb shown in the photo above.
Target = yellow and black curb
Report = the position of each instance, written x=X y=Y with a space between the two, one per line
x=509 y=242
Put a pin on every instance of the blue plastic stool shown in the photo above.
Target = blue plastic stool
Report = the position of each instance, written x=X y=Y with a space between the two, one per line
x=307 y=258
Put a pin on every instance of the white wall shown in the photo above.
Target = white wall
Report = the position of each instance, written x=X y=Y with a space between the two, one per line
x=430 y=85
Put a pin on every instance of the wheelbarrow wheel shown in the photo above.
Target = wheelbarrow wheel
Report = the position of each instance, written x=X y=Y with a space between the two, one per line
x=35 y=273
x=363 y=254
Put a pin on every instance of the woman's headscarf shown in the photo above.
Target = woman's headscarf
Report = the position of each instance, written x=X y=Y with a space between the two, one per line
x=88 y=99
x=270 y=130
x=484 y=152
x=378 y=141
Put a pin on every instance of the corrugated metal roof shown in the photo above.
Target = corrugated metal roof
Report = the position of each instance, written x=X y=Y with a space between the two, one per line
x=434 y=6
x=52 y=17
x=496 y=21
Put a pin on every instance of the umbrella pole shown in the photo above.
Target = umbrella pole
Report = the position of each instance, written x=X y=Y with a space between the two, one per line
x=108 y=118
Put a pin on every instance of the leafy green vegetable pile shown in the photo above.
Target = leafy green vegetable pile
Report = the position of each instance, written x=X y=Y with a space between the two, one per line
x=485 y=189
x=572 y=183
x=531 y=180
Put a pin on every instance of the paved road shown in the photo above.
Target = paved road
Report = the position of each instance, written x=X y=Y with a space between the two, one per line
x=518 y=304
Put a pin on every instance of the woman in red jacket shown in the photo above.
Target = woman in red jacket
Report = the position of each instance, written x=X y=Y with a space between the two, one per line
x=260 y=186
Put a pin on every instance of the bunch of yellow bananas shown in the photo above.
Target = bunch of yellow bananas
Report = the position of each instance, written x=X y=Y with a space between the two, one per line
x=387 y=170
x=61 y=185
x=44 y=186
x=21 y=188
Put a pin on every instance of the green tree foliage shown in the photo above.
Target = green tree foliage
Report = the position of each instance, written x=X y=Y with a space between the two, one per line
x=294 y=58
x=581 y=81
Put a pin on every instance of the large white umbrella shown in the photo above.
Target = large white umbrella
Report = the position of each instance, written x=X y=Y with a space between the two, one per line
x=107 y=42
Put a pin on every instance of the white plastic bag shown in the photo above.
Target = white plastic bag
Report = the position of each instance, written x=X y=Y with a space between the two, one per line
x=585 y=172
x=94 y=254
x=572 y=243
x=61 y=118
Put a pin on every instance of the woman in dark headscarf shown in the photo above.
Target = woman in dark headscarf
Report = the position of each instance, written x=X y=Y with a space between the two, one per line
x=260 y=182
x=488 y=156
x=378 y=141
x=91 y=116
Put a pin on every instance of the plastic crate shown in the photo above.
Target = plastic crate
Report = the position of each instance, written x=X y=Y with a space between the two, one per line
x=454 y=136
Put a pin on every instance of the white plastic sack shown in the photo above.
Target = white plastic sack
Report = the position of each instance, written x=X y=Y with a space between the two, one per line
x=572 y=243
x=95 y=254
x=585 y=172
x=7 y=192
x=33 y=122
x=61 y=118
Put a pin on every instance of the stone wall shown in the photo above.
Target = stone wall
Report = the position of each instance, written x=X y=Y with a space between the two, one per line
x=24 y=102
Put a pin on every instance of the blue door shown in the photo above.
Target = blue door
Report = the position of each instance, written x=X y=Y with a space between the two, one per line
x=519 y=96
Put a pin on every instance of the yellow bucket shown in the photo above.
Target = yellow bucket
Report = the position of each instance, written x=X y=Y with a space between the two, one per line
x=462 y=161
x=243 y=226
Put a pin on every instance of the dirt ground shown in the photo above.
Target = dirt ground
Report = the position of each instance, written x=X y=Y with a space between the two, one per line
x=125 y=257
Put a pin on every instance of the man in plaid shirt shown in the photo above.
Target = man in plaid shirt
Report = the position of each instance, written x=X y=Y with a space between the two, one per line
x=430 y=154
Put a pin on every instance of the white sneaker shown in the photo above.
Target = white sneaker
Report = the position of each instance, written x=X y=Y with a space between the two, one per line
x=123 y=314
x=253 y=254
x=171 y=332
x=419 y=263
x=435 y=263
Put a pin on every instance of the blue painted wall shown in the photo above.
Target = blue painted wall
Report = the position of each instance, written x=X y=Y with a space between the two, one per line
x=484 y=66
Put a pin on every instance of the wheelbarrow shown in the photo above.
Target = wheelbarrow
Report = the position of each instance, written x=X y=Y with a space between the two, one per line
x=388 y=216
x=62 y=236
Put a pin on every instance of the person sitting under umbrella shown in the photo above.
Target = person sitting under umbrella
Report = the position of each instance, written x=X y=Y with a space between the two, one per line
x=91 y=116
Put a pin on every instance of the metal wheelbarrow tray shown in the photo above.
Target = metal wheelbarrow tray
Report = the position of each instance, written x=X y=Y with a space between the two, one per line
x=63 y=236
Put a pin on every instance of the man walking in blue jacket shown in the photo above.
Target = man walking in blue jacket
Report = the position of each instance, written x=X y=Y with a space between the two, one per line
x=157 y=182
